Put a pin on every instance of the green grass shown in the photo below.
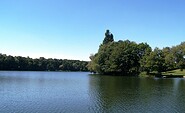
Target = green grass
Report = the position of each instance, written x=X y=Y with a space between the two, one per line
x=176 y=72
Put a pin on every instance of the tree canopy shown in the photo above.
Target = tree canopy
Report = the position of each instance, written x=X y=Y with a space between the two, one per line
x=129 y=58
x=8 y=62
x=108 y=37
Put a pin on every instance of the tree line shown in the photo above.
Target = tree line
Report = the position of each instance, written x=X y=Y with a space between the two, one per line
x=129 y=58
x=8 y=62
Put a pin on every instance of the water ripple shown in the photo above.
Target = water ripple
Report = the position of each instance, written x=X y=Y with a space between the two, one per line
x=36 y=92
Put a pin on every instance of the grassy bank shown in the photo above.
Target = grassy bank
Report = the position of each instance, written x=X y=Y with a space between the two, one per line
x=174 y=73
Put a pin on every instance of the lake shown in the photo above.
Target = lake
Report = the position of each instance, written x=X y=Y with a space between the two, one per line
x=66 y=92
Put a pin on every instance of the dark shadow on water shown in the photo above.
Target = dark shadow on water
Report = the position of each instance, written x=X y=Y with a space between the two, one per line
x=134 y=94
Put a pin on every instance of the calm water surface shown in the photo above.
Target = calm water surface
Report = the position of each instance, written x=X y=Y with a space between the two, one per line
x=65 y=92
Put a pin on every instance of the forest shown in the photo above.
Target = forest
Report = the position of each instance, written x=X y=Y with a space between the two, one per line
x=18 y=63
x=129 y=58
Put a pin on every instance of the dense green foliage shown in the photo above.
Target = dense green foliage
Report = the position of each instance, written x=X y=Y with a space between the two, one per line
x=41 y=64
x=129 y=58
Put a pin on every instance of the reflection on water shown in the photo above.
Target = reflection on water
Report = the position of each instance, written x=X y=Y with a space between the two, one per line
x=132 y=94
x=80 y=92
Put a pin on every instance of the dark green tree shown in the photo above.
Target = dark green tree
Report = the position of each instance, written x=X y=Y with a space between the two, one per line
x=117 y=58
x=169 y=58
x=144 y=52
x=108 y=37
x=155 y=62
x=42 y=64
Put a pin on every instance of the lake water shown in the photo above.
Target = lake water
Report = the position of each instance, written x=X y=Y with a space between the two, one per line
x=65 y=92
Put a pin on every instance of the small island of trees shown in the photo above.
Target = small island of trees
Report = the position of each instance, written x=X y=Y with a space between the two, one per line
x=129 y=58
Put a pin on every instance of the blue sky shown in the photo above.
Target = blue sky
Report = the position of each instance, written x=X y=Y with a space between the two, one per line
x=73 y=29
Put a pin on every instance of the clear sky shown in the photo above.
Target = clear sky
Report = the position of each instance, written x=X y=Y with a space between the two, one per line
x=73 y=29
